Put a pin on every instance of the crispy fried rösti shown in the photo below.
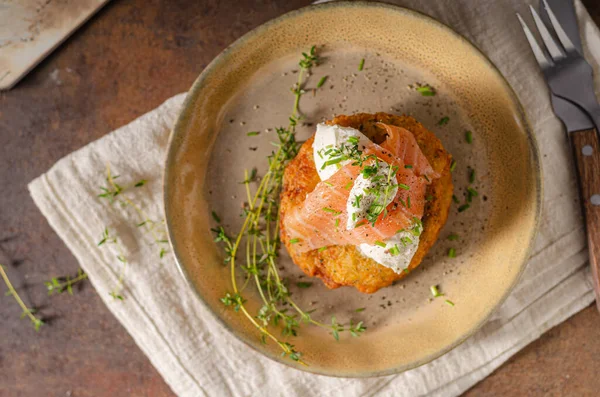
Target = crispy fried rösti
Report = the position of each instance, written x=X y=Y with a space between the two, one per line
x=344 y=264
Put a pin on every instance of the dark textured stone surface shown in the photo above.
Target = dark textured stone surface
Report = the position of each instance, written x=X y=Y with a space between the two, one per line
x=127 y=60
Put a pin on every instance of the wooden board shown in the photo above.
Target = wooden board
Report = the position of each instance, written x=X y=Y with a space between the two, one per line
x=31 y=29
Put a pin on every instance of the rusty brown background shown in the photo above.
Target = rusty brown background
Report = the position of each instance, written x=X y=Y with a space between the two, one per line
x=127 y=60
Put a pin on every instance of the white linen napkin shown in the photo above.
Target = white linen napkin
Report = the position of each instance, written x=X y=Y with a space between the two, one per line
x=196 y=356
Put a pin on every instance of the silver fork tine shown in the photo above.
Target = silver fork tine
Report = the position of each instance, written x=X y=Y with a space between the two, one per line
x=562 y=35
x=551 y=45
x=535 y=47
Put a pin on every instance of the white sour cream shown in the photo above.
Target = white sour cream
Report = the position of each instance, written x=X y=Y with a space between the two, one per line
x=400 y=248
x=388 y=256
x=363 y=194
x=333 y=137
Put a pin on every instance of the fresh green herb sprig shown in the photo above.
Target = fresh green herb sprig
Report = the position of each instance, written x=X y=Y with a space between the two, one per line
x=308 y=60
x=236 y=301
x=259 y=237
x=27 y=312
x=108 y=239
x=116 y=193
x=65 y=284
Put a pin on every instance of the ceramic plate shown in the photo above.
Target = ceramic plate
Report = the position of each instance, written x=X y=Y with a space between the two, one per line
x=247 y=88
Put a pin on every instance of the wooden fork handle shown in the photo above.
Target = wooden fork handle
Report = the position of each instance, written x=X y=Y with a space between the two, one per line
x=587 y=155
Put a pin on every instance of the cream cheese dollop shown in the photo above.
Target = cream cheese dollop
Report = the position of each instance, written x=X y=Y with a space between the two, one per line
x=377 y=189
x=328 y=138
x=396 y=252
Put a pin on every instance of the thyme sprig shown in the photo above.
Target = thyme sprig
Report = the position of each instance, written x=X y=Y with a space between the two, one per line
x=65 y=284
x=116 y=193
x=107 y=239
x=27 y=312
x=258 y=242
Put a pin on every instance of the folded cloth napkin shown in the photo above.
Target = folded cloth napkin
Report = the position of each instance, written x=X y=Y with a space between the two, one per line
x=196 y=356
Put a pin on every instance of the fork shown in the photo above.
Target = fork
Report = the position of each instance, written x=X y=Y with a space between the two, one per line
x=570 y=77
x=565 y=62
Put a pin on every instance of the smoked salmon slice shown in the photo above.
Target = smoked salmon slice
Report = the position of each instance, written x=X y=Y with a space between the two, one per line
x=321 y=219
x=403 y=144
